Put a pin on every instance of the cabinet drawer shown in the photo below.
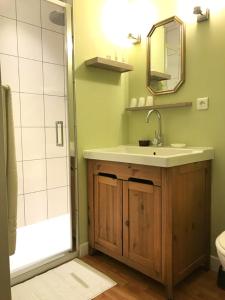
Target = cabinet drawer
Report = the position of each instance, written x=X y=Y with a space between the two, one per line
x=127 y=171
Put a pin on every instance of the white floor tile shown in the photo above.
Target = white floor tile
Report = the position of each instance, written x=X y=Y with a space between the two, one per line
x=40 y=241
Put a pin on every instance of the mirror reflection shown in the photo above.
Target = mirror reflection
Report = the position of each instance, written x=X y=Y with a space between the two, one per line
x=165 y=56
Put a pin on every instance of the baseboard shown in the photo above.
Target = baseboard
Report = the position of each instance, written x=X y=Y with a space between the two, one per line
x=83 y=249
x=214 y=260
x=214 y=263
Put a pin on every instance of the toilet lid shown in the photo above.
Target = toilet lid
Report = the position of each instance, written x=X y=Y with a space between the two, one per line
x=221 y=240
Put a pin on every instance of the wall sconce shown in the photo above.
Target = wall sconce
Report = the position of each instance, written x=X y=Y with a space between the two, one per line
x=135 y=39
x=201 y=16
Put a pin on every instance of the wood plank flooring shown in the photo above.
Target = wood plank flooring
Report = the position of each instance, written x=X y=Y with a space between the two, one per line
x=133 y=285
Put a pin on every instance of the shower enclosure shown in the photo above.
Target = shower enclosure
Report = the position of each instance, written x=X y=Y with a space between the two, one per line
x=36 y=57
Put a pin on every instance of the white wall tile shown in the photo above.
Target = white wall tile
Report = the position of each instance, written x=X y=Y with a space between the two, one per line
x=8 y=37
x=33 y=141
x=8 y=8
x=65 y=81
x=9 y=71
x=16 y=109
x=51 y=149
x=56 y=172
x=29 y=11
x=53 y=79
x=20 y=177
x=57 y=202
x=29 y=41
x=35 y=207
x=66 y=112
x=34 y=175
x=54 y=110
x=32 y=110
x=46 y=9
x=20 y=211
x=18 y=144
x=53 y=46
x=31 y=78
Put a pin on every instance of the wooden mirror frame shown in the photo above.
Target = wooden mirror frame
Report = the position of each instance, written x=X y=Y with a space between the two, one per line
x=182 y=71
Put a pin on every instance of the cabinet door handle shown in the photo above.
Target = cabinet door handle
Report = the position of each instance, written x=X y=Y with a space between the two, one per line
x=59 y=133
x=127 y=223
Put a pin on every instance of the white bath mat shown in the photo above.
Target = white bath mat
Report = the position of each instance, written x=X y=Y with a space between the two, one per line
x=72 y=281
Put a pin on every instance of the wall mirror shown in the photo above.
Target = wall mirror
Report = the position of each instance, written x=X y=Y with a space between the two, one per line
x=165 y=56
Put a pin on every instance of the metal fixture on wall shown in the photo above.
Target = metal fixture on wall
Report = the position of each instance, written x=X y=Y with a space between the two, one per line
x=201 y=16
x=134 y=38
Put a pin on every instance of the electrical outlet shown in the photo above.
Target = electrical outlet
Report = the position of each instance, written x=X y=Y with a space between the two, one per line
x=202 y=103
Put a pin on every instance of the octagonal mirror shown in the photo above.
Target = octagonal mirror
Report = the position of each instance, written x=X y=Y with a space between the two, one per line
x=165 y=56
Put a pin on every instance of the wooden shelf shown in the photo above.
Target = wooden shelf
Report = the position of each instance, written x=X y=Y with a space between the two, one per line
x=108 y=64
x=161 y=106
x=158 y=76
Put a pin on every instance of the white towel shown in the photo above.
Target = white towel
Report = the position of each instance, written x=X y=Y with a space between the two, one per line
x=11 y=170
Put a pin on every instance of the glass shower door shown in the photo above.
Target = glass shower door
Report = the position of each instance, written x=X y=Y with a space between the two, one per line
x=34 y=65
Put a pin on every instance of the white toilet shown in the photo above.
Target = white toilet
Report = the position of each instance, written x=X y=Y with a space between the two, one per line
x=220 y=246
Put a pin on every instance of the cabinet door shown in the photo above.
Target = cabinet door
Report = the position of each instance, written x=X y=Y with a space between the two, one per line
x=142 y=226
x=108 y=215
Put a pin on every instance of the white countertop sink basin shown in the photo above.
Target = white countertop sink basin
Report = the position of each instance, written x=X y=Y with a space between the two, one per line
x=152 y=156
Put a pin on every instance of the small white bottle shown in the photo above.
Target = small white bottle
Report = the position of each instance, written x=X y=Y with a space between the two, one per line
x=141 y=101
x=149 y=101
x=133 y=102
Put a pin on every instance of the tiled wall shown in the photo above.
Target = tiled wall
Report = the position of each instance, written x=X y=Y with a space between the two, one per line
x=32 y=60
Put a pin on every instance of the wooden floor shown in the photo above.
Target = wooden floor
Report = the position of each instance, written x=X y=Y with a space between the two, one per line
x=133 y=285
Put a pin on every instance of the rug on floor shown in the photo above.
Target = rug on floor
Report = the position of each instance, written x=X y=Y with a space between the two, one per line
x=74 y=280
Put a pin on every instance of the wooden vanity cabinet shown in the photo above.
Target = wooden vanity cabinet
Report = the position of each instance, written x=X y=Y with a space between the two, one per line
x=108 y=214
x=156 y=220
x=142 y=226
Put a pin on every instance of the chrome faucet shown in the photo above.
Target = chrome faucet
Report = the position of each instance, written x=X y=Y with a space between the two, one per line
x=158 y=134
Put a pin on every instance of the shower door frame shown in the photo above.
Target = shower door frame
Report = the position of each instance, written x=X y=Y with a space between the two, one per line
x=52 y=262
x=4 y=249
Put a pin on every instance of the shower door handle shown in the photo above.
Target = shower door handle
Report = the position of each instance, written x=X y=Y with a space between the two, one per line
x=59 y=133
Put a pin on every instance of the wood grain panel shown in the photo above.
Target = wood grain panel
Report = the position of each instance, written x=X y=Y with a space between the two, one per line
x=125 y=171
x=108 y=213
x=142 y=226
x=190 y=219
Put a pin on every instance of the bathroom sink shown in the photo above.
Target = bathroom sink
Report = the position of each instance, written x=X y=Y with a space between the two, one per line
x=152 y=156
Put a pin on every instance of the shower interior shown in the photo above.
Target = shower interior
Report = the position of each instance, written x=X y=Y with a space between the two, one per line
x=43 y=141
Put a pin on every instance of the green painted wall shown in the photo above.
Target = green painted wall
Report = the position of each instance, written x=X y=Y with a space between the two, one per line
x=205 y=76
x=100 y=95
